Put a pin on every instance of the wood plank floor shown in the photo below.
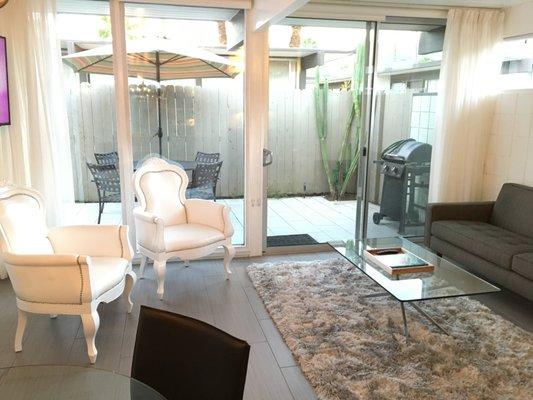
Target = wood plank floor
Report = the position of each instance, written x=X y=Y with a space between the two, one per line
x=202 y=292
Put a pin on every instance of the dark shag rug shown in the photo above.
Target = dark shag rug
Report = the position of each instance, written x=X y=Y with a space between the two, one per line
x=353 y=348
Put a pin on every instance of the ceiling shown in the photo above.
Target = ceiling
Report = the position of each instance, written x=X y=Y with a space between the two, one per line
x=432 y=3
x=101 y=7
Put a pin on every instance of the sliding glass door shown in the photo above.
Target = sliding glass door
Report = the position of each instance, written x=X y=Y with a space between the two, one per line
x=319 y=82
x=402 y=130
x=352 y=119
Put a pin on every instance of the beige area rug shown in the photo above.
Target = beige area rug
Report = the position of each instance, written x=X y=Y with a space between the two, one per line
x=353 y=348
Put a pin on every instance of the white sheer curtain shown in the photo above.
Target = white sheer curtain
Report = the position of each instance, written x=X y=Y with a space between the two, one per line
x=470 y=66
x=34 y=150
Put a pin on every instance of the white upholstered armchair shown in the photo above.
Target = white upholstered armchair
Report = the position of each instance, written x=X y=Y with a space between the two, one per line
x=169 y=226
x=65 y=270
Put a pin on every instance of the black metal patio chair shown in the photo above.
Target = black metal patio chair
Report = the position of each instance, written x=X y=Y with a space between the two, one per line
x=206 y=158
x=204 y=181
x=203 y=158
x=106 y=158
x=107 y=180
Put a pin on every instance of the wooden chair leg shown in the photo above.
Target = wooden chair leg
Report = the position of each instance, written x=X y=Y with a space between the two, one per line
x=229 y=253
x=21 y=326
x=141 y=268
x=131 y=278
x=91 y=323
x=160 y=268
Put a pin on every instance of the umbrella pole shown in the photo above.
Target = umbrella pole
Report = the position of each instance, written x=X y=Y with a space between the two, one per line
x=158 y=77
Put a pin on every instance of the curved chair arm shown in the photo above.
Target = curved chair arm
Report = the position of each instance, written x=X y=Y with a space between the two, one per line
x=50 y=278
x=150 y=230
x=92 y=240
x=209 y=213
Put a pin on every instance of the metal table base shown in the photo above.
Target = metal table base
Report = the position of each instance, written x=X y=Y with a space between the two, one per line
x=404 y=316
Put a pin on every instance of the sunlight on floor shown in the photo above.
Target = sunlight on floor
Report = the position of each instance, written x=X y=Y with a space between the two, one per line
x=322 y=219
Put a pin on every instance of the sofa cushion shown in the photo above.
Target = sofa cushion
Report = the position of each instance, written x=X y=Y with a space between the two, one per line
x=523 y=265
x=513 y=209
x=484 y=240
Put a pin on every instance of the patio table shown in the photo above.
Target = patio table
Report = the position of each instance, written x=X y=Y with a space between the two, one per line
x=186 y=165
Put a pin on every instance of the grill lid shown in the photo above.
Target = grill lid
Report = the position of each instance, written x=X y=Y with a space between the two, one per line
x=407 y=151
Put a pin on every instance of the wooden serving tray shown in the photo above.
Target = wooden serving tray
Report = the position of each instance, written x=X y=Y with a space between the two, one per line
x=372 y=256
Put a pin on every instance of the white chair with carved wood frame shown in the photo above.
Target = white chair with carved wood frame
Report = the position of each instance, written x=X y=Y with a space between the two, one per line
x=170 y=226
x=65 y=270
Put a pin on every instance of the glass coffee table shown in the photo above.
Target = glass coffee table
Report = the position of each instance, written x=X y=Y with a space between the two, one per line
x=447 y=279
x=58 y=382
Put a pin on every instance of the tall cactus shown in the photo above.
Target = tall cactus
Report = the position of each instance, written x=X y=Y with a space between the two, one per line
x=348 y=159
x=357 y=93
x=321 y=111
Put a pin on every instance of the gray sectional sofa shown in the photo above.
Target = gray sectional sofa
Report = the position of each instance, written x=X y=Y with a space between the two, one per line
x=492 y=239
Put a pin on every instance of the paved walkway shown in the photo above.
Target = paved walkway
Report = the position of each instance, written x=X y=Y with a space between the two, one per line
x=324 y=220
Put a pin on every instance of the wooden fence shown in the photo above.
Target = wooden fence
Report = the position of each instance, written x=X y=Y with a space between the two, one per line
x=208 y=120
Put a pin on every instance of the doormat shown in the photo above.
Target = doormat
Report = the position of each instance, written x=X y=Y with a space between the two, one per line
x=290 y=240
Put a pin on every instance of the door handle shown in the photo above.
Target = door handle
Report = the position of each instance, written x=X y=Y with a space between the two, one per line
x=267 y=157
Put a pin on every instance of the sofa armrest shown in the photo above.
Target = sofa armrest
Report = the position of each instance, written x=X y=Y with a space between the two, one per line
x=150 y=230
x=50 y=278
x=92 y=240
x=472 y=211
x=209 y=213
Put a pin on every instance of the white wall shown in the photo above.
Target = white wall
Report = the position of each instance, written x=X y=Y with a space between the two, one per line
x=510 y=150
x=519 y=20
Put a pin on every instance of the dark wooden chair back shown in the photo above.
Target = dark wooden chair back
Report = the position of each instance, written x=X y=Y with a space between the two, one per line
x=183 y=358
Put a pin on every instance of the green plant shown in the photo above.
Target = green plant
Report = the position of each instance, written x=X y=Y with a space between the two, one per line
x=348 y=159
x=354 y=115
x=105 y=31
x=133 y=27
x=321 y=110
x=309 y=43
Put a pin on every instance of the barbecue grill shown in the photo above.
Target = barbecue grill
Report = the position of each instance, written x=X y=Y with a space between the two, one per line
x=405 y=167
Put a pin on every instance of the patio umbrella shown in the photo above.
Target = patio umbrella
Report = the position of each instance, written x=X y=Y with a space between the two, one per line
x=157 y=60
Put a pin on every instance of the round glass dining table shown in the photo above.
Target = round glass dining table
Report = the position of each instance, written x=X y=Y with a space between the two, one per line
x=60 y=382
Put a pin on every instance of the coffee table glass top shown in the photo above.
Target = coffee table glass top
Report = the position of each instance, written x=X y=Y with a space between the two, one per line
x=58 y=382
x=447 y=280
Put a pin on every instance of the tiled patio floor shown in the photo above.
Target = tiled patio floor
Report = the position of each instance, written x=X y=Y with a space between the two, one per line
x=324 y=220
